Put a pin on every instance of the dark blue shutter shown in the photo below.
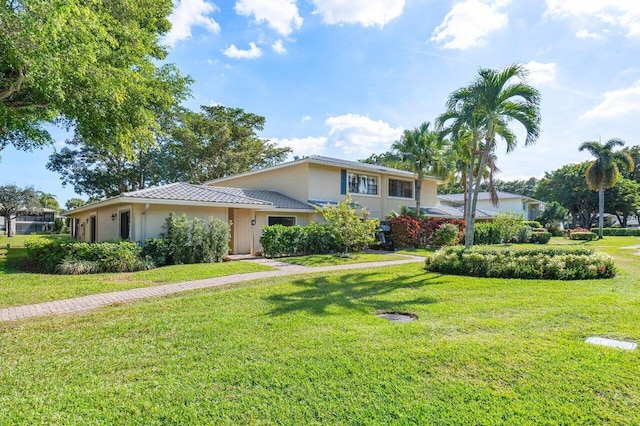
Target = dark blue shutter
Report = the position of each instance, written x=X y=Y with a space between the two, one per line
x=343 y=182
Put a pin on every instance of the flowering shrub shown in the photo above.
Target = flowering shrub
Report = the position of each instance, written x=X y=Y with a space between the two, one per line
x=540 y=263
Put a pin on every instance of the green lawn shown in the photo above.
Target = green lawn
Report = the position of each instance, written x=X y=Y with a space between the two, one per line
x=20 y=288
x=332 y=259
x=309 y=350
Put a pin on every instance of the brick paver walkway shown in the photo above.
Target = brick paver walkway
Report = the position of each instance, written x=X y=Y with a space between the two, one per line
x=103 y=299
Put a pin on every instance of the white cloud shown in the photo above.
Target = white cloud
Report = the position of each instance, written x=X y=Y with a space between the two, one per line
x=586 y=34
x=359 y=135
x=303 y=146
x=616 y=103
x=188 y=14
x=368 y=13
x=252 y=53
x=305 y=118
x=620 y=13
x=469 y=22
x=540 y=73
x=280 y=15
x=278 y=47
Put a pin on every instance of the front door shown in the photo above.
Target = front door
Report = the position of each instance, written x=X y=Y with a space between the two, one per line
x=242 y=231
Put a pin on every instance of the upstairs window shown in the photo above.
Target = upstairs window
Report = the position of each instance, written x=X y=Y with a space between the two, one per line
x=400 y=188
x=362 y=184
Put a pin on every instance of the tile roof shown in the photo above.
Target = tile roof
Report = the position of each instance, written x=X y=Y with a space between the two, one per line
x=456 y=212
x=482 y=196
x=363 y=166
x=218 y=194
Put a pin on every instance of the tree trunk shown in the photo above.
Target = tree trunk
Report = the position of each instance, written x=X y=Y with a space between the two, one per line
x=600 y=210
x=474 y=199
x=468 y=230
x=418 y=190
x=7 y=220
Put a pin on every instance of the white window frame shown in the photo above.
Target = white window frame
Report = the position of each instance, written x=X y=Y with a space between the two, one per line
x=363 y=175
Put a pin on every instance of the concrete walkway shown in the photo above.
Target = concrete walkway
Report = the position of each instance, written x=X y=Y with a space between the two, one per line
x=104 y=299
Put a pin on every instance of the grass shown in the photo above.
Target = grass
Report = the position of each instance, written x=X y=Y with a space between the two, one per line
x=309 y=350
x=20 y=288
x=333 y=259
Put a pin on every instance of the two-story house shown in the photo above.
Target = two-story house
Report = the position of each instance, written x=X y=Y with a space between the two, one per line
x=285 y=194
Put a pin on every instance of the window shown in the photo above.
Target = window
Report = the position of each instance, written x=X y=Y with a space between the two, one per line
x=125 y=224
x=362 y=184
x=282 y=220
x=400 y=188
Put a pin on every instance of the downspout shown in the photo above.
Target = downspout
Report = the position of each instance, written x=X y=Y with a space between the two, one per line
x=143 y=231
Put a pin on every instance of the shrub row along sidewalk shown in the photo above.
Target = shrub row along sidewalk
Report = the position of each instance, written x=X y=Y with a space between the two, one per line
x=104 y=299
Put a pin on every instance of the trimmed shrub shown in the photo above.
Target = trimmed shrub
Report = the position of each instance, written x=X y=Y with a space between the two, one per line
x=446 y=235
x=538 y=263
x=280 y=240
x=318 y=239
x=588 y=236
x=76 y=257
x=540 y=237
x=618 y=232
x=407 y=231
x=485 y=233
x=532 y=223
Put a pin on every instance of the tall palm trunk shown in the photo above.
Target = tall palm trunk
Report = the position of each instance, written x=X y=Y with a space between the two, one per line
x=600 y=209
x=418 y=191
x=468 y=230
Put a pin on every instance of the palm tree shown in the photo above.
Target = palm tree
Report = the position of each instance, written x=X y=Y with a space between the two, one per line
x=486 y=108
x=605 y=170
x=422 y=150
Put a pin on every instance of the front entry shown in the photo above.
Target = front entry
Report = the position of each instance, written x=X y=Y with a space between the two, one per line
x=242 y=231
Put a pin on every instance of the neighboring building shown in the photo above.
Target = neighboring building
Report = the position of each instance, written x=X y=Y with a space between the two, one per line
x=30 y=223
x=284 y=194
x=528 y=207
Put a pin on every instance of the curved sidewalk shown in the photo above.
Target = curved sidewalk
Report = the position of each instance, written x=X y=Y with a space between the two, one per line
x=84 y=303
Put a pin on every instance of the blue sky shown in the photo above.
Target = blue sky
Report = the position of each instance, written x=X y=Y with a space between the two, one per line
x=344 y=78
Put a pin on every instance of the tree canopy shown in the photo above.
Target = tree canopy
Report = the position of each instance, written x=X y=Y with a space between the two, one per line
x=604 y=172
x=14 y=200
x=483 y=112
x=194 y=147
x=88 y=65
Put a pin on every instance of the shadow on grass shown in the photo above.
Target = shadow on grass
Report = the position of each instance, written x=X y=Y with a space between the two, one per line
x=356 y=291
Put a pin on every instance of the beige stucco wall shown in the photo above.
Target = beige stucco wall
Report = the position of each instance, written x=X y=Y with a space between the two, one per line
x=143 y=226
x=292 y=181
x=324 y=183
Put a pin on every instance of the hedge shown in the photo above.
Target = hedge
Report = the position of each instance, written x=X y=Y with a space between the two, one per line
x=618 y=232
x=76 y=257
x=407 y=231
x=588 y=236
x=280 y=240
x=536 y=263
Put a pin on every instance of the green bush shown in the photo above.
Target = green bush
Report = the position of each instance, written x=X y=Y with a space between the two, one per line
x=540 y=237
x=532 y=223
x=80 y=257
x=156 y=251
x=537 y=263
x=350 y=227
x=446 y=235
x=618 y=232
x=524 y=234
x=279 y=240
x=196 y=241
x=588 y=236
x=486 y=233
